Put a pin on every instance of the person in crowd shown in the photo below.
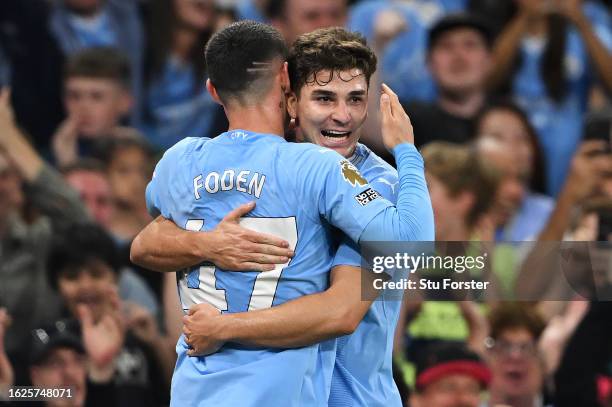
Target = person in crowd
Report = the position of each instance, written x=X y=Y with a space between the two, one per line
x=462 y=190
x=24 y=243
x=127 y=159
x=122 y=340
x=459 y=59
x=89 y=178
x=508 y=141
x=79 y=24
x=296 y=17
x=398 y=31
x=97 y=97
x=547 y=57
x=58 y=359
x=450 y=375
x=177 y=103
x=516 y=363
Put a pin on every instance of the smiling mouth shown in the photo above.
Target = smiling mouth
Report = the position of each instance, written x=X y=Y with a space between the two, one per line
x=335 y=136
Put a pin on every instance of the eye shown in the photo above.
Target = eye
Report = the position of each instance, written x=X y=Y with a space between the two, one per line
x=323 y=99
x=356 y=99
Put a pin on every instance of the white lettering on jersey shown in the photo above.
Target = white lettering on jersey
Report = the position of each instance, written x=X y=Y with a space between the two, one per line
x=248 y=182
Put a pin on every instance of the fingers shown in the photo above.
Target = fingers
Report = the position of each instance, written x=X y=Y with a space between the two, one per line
x=385 y=108
x=85 y=315
x=270 y=240
x=240 y=211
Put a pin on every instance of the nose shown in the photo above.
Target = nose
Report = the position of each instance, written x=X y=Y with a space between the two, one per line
x=341 y=114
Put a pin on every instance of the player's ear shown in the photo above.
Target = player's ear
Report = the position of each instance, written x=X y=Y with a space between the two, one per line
x=284 y=77
x=292 y=105
x=213 y=92
x=126 y=102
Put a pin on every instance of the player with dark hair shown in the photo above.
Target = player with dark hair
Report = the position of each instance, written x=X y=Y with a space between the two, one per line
x=198 y=180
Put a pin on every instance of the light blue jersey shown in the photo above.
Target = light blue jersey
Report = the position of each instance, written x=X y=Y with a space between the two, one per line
x=363 y=373
x=559 y=125
x=301 y=191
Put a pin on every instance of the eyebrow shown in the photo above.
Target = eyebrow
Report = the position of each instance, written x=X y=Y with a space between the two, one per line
x=321 y=92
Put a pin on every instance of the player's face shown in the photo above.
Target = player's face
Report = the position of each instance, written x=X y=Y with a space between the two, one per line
x=95 y=192
x=64 y=367
x=457 y=390
x=303 y=16
x=128 y=173
x=88 y=285
x=97 y=105
x=330 y=113
x=515 y=366
x=460 y=61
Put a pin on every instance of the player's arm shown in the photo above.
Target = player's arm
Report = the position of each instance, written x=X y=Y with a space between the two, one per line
x=300 y=322
x=163 y=246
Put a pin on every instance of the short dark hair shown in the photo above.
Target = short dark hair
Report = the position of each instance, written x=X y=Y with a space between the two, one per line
x=328 y=49
x=78 y=245
x=456 y=21
x=234 y=55
x=99 y=63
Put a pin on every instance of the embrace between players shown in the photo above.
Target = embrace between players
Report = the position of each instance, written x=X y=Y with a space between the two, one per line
x=268 y=337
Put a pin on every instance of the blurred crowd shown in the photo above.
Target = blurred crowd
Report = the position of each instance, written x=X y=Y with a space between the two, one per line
x=510 y=104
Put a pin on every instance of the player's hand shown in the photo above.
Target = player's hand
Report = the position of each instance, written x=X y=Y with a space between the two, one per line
x=396 y=126
x=202 y=329
x=6 y=369
x=103 y=338
x=64 y=142
x=238 y=248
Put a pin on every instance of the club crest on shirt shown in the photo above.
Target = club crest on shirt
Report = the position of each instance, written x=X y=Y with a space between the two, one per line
x=351 y=174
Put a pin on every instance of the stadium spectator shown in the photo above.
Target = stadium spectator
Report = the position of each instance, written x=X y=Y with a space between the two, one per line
x=96 y=97
x=24 y=243
x=296 y=17
x=398 y=32
x=516 y=364
x=127 y=159
x=88 y=177
x=121 y=339
x=450 y=375
x=459 y=59
x=90 y=180
x=177 y=104
x=79 y=24
x=58 y=359
x=547 y=57
x=462 y=190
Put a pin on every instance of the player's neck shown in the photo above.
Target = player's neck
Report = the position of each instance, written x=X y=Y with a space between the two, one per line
x=266 y=117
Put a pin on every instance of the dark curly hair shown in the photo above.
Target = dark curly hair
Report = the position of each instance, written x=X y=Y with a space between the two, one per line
x=328 y=49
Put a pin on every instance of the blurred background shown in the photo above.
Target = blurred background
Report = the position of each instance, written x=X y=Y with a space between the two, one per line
x=510 y=103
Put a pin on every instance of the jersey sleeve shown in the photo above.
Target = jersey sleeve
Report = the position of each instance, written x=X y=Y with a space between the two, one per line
x=169 y=185
x=341 y=195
